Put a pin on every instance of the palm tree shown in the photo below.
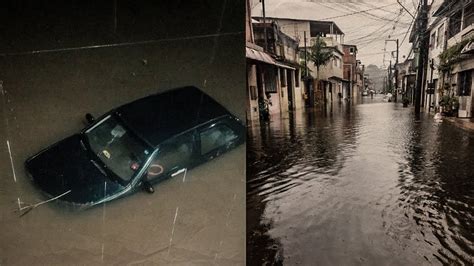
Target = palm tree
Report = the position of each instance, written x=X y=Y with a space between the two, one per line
x=320 y=55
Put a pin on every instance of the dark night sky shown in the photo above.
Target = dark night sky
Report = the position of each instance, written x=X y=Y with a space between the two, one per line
x=37 y=25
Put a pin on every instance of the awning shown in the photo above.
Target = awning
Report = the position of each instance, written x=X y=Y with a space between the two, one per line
x=336 y=78
x=258 y=56
x=280 y=64
x=253 y=54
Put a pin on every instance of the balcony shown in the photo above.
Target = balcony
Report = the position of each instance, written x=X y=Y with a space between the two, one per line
x=466 y=33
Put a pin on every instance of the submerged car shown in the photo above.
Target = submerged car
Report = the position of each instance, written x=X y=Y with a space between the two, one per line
x=136 y=145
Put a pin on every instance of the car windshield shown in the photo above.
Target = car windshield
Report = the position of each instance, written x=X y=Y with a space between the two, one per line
x=117 y=147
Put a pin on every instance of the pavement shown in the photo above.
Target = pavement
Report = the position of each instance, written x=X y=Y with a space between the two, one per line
x=464 y=123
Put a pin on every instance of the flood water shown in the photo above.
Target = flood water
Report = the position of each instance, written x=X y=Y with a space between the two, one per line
x=199 y=219
x=361 y=184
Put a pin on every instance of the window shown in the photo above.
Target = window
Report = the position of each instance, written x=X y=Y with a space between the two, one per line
x=433 y=41
x=270 y=79
x=465 y=83
x=215 y=138
x=455 y=24
x=117 y=147
x=172 y=155
x=440 y=36
x=468 y=15
x=351 y=50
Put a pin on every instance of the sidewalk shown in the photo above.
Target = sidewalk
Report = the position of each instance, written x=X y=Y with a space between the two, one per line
x=464 y=123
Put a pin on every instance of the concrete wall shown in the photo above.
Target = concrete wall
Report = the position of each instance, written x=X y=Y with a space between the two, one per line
x=299 y=101
x=296 y=30
x=465 y=102
x=283 y=90
x=252 y=104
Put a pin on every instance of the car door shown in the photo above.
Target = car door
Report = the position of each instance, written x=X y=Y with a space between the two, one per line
x=215 y=139
x=173 y=156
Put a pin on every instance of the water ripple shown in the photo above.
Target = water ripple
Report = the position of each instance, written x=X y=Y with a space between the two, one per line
x=369 y=181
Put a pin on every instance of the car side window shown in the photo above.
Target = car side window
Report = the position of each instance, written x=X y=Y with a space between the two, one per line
x=216 y=137
x=172 y=155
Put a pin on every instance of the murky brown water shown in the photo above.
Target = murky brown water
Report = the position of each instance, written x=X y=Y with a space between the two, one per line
x=199 y=221
x=362 y=184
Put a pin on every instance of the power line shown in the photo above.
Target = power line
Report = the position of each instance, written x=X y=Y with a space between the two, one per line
x=367 y=14
x=377 y=30
x=354 y=13
x=398 y=1
x=411 y=24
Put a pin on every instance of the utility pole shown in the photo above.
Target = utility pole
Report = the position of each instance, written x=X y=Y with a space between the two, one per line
x=396 y=69
x=309 y=89
x=422 y=45
x=396 y=74
x=305 y=52
x=431 y=87
x=390 y=78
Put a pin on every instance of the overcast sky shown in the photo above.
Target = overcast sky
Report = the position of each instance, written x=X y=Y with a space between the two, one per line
x=365 y=23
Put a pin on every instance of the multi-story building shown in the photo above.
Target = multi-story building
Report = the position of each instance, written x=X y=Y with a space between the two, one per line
x=350 y=64
x=451 y=29
x=437 y=27
x=407 y=79
x=457 y=20
x=284 y=88
x=272 y=69
x=330 y=75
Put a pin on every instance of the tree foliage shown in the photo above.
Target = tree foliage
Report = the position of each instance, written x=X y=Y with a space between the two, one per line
x=449 y=57
x=320 y=54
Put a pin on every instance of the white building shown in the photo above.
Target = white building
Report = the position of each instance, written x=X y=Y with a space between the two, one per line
x=331 y=75
x=457 y=20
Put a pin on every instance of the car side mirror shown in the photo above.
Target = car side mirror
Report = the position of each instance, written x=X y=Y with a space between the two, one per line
x=148 y=187
x=90 y=118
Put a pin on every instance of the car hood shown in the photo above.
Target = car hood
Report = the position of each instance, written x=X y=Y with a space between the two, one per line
x=68 y=165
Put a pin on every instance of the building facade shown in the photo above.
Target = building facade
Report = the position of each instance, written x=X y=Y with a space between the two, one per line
x=459 y=36
x=273 y=74
x=351 y=67
x=448 y=72
x=330 y=82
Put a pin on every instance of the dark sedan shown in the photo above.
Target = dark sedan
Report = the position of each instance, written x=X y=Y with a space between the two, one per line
x=136 y=145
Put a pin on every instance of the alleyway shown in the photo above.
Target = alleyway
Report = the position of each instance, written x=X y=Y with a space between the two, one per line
x=362 y=184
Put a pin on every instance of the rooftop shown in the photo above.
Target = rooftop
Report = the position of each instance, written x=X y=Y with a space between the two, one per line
x=316 y=26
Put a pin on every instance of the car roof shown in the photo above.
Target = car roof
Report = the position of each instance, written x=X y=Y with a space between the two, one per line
x=160 y=116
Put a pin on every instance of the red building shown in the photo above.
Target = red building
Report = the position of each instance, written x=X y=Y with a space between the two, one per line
x=351 y=72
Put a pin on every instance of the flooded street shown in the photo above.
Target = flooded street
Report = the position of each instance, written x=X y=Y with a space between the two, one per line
x=362 y=184
x=199 y=219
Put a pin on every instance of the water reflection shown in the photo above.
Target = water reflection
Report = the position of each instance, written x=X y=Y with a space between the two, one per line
x=358 y=184
x=437 y=189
